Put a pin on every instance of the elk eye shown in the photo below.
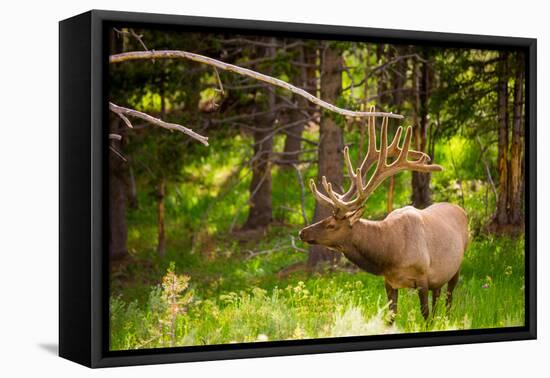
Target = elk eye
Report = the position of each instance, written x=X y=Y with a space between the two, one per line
x=331 y=225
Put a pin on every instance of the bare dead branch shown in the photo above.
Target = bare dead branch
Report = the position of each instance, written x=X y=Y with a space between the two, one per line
x=117 y=153
x=487 y=169
x=174 y=54
x=138 y=37
x=253 y=254
x=115 y=136
x=123 y=112
x=220 y=89
x=293 y=245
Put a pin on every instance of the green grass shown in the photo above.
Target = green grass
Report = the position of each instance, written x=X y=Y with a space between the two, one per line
x=240 y=299
x=236 y=296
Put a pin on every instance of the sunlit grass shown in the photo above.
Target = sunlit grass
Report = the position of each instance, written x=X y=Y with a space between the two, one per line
x=239 y=297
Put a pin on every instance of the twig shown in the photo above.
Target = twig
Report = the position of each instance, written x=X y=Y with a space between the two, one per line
x=122 y=112
x=138 y=37
x=302 y=192
x=115 y=136
x=220 y=89
x=276 y=249
x=293 y=244
x=487 y=169
x=118 y=154
x=265 y=252
x=174 y=54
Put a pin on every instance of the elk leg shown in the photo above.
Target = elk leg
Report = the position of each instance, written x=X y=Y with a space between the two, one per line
x=392 y=298
x=450 y=287
x=424 y=306
x=435 y=297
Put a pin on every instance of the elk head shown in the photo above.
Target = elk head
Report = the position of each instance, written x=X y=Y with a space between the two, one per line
x=347 y=208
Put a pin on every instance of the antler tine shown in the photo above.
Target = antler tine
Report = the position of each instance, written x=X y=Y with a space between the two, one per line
x=384 y=171
x=359 y=184
x=337 y=203
x=394 y=145
x=406 y=145
x=320 y=197
x=343 y=203
x=349 y=165
x=370 y=157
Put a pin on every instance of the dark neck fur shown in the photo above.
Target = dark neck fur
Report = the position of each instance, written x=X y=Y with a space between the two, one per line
x=366 y=247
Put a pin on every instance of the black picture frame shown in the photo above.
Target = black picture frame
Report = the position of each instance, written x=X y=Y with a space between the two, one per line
x=83 y=257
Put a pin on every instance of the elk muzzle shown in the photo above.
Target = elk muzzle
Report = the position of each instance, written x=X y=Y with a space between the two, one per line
x=305 y=236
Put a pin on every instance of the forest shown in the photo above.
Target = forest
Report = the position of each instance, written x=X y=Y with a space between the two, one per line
x=209 y=171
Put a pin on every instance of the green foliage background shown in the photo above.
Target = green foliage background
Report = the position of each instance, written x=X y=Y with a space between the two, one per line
x=229 y=290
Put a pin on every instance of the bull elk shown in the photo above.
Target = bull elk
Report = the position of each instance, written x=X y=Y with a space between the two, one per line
x=410 y=248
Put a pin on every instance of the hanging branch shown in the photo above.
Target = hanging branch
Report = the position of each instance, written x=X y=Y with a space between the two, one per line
x=174 y=54
x=123 y=112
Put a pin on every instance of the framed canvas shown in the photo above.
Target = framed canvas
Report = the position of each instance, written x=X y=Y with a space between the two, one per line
x=234 y=188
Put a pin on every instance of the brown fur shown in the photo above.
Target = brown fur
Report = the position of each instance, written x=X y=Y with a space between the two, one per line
x=410 y=248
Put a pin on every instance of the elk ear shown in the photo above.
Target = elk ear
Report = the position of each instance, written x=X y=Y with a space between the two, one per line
x=355 y=216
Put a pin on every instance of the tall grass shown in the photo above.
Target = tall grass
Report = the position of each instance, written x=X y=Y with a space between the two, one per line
x=253 y=305
x=223 y=292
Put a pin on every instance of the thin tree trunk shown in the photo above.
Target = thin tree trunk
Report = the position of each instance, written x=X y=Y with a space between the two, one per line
x=161 y=185
x=389 y=204
x=330 y=146
x=381 y=82
x=501 y=216
x=118 y=228
x=515 y=187
x=304 y=79
x=398 y=83
x=421 y=194
x=132 y=188
x=161 y=235
x=260 y=212
x=118 y=234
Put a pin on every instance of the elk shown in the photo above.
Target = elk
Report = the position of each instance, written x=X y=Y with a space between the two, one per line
x=410 y=248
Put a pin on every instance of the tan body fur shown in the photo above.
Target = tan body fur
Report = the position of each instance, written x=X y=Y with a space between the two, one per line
x=410 y=248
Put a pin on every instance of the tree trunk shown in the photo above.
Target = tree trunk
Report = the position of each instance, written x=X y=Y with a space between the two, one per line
x=260 y=212
x=421 y=194
x=515 y=187
x=389 y=203
x=398 y=82
x=118 y=228
x=330 y=146
x=117 y=198
x=501 y=216
x=132 y=187
x=161 y=236
x=382 y=84
x=304 y=79
x=399 y=76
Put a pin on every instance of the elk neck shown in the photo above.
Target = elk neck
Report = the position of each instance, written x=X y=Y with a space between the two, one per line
x=367 y=246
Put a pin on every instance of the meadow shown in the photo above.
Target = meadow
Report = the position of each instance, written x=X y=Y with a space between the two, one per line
x=217 y=285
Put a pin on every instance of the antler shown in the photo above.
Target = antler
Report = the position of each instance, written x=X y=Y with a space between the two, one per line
x=343 y=203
